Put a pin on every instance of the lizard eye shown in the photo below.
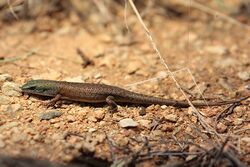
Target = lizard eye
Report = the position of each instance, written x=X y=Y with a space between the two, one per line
x=28 y=87
x=32 y=88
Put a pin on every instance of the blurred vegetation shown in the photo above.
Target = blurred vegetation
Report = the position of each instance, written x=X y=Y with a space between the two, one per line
x=107 y=12
x=27 y=9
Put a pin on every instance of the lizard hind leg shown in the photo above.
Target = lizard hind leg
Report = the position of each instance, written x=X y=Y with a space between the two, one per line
x=112 y=104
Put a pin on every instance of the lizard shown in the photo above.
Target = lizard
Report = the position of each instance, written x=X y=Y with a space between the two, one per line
x=99 y=93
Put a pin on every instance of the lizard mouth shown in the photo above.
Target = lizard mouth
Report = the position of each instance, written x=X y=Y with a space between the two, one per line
x=31 y=90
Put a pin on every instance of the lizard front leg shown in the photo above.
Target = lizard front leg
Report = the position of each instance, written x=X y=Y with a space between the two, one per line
x=52 y=102
x=112 y=104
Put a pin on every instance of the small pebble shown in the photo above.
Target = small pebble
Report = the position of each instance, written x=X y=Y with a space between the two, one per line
x=167 y=128
x=238 y=121
x=99 y=114
x=37 y=137
x=192 y=149
x=98 y=76
x=50 y=114
x=226 y=84
x=123 y=141
x=190 y=111
x=71 y=118
x=226 y=62
x=127 y=123
x=11 y=89
x=91 y=130
x=57 y=125
x=5 y=77
x=57 y=136
x=171 y=117
x=220 y=50
x=2 y=144
x=221 y=128
x=133 y=66
x=246 y=139
x=14 y=108
x=244 y=75
x=194 y=119
x=19 y=137
x=247 y=87
x=142 y=111
x=156 y=134
x=8 y=125
x=145 y=123
x=4 y=100
x=164 y=107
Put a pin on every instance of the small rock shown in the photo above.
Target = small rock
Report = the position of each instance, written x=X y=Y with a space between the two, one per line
x=57 y=125
x=50 y=115
x=105 y=38
x=57 y=136
x=29 y=27
x=14 y=108
x=9 y=125
x=91 y=118
x=127 y=123
x=4 y=100
x=188 y=130
x=238 y=121
x=192 y=149
x=63 y=30
x=5 y=77
x=209 y=112
x=91 y=130
x=226 y=62
x=71 y=118
x=142 y=111
x=162 y=74
x=190 y=111
x=2 y=144
x=219 y=50
x=244 y=75
x=171 y=117
x=88 y=146
x=123 y=142
x=246 y=139
x=53 y=121
x=194 y=119
x=224 y=82
x=99 y=114
x=167 y=128
x=221 y=128
x=247 y=87
x=164 y=107
x=133 y=66
x=67 y=158
x=100 y=137
x=156 y=134
x=145 y=123
x=11 y=89
x=38 y=137
x=200 y=89
x=19 y=137
x=98 y=76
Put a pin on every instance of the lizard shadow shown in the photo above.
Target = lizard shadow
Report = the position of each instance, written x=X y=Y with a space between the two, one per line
x=60 y=102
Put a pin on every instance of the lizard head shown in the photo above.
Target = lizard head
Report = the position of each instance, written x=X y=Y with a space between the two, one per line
x=40 y=87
